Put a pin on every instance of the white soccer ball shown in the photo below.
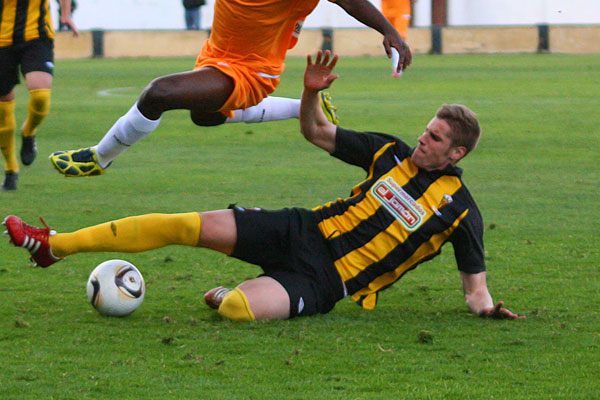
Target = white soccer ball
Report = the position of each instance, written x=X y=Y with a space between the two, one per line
x=116 y=288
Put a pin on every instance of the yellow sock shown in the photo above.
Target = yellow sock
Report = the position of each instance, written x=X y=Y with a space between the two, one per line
x=131 y=235
x=8 y=126
x=39 y=106
x=235 y=306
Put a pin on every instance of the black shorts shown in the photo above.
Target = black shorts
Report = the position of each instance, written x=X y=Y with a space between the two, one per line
x=289 y=247
x=34 y=55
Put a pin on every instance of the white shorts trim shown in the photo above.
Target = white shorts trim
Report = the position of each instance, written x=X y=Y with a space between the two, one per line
x=264 y=75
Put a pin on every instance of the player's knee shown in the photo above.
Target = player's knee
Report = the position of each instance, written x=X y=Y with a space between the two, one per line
x=235 y=306
x=156 y=92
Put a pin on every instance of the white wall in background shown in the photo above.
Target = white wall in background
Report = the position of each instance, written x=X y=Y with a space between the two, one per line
x=168 y=14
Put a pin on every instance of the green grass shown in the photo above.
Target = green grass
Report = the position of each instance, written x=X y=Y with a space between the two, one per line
x=535 y=176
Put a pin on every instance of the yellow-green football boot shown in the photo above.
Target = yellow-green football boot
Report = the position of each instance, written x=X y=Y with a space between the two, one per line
x=73 y=163
x=328 y=108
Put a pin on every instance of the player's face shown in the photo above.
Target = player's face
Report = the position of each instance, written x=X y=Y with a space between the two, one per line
x=435 y=150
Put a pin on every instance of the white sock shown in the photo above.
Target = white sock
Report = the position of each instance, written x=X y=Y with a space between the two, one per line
x=270 y=109
x=128 y=130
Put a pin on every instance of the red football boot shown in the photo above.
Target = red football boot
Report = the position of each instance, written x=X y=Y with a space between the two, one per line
x=33 y=239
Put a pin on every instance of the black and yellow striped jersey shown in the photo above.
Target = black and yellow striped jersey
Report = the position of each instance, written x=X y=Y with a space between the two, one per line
x=24 y=20
x=399 y=217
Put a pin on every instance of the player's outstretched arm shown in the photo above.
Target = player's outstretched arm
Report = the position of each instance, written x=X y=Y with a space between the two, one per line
x=365 y=12
x=479 y=299
x=314 y=125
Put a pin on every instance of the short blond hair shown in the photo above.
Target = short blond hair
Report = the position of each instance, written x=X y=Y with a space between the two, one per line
x=464 y=127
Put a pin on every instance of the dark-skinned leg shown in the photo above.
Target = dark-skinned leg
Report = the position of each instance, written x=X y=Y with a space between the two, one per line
x=203 y=92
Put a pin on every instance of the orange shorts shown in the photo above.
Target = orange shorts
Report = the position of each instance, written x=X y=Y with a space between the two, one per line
x=250 y=86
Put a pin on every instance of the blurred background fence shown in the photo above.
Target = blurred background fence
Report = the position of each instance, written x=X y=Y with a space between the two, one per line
x=135 y=28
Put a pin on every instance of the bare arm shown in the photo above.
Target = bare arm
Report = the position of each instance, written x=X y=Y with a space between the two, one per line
x=314 y=125
x=479 y=299
x=65 y=16
x=365 y=12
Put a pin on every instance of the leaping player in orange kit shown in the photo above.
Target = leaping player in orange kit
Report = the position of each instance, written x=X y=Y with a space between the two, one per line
x=239 y=66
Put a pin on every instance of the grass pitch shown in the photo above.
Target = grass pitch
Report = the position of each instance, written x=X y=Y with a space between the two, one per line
x=535 y=177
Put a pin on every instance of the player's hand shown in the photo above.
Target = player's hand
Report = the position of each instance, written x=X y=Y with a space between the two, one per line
x=317 y=75
x=69 y=22
x=394 y=40
x=499 y=312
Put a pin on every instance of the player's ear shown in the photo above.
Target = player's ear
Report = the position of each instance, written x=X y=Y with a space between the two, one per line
x=457 y=152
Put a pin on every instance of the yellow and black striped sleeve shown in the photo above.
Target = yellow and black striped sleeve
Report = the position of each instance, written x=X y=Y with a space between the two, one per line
x=358 y=148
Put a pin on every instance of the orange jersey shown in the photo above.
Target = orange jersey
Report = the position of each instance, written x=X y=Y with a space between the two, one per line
x=249 y=41
x=258 y=32
x=22 y=21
